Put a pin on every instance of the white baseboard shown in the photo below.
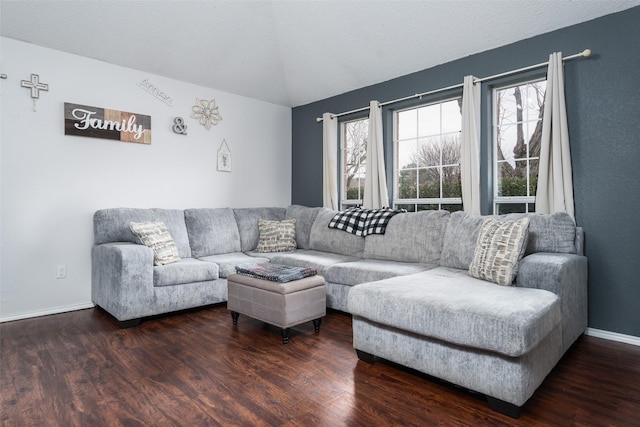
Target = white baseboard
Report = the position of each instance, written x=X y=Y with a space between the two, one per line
x=56 y=310
x=613 y=336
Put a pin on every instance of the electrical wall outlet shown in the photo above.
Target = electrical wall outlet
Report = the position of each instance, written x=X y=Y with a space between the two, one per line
x=61 y=272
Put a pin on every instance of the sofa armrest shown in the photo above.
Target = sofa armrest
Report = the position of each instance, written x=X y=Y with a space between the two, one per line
x=122 y=279
x=566 y=276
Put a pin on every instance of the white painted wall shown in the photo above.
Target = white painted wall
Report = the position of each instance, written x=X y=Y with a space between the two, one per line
x=51 y=184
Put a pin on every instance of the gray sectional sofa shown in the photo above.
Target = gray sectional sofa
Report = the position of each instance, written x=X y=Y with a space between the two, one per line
x=408 y=290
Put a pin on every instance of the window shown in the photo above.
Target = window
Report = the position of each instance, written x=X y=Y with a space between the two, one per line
x=517 y=132
x=353 y=148
x=427 y=157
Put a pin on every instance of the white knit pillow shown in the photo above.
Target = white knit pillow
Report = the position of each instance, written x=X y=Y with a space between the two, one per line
x=155 y=235
x=499 y=248
x=277 y=236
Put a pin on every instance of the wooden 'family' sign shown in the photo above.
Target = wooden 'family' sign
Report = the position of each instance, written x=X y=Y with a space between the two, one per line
x=97 y=122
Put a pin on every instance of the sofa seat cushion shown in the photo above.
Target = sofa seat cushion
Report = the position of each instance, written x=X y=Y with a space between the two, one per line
x=187 y=270
x=321 y=261
x=264 y=255
x=227 y=262
x=449 y=305
x=369 y=270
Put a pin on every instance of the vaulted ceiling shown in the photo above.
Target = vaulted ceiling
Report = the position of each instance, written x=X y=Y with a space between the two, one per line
x=288 y=52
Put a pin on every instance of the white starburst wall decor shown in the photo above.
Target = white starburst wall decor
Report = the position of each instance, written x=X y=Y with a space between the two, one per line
x=206 y=112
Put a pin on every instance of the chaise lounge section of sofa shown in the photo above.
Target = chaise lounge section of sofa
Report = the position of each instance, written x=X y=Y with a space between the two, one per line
x=501 y=341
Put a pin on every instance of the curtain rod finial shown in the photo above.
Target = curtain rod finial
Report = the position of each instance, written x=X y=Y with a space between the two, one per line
x=586 y=53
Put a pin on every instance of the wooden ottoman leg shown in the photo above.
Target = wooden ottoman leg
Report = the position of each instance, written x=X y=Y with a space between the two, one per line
x=234 y=317
x=285 y=336
x=316 y=324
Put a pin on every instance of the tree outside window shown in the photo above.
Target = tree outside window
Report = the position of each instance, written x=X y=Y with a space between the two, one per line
x=517 y=130
x=354 y=138
x=427 y=154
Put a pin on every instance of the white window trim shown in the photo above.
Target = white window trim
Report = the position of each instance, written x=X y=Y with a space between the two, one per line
x=502 y=200
x=344 y=202
x=418 y=201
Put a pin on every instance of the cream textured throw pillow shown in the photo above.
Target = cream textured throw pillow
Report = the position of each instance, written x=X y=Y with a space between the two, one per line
x=155 y=235
x=500 y=245
x=277 y=236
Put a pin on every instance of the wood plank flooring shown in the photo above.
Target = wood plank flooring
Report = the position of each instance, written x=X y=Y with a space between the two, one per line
x=196 y=369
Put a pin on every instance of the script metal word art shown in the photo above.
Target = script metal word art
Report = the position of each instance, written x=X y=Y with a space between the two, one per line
x=179 y=127
x=96 y=122
x=156 y=92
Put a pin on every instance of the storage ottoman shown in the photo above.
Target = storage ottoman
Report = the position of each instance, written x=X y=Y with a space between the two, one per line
x=280 y=304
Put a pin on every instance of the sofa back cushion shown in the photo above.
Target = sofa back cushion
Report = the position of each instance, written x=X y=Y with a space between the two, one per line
x=460 y=240
x=212 y=231
x=305 y=218
x=112 y=225
x=325 y=239
x=410 y=237
x=247 y=221
x=547 y=233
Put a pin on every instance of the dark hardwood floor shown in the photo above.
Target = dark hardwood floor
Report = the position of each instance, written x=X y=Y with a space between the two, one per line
x=196 y=369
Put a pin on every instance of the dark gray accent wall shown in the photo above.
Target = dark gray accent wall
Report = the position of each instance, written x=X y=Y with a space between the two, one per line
x=603 y=107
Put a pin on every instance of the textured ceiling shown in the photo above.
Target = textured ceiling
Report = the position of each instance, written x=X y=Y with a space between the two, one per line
x=288 y=52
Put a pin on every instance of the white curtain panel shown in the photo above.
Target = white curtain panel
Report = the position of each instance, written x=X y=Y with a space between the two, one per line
x=376 y=195
x=470 y=146
x=329 y=161
x=555 y=184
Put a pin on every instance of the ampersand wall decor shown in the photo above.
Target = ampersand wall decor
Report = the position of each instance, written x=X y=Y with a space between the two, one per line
x=179 y=127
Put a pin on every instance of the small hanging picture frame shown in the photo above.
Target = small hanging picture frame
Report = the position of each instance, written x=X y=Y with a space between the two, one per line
x=224 y=157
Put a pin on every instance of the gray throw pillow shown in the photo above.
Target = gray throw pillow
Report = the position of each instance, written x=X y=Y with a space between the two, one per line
x=499 y=248
x=155 y=235
x=277 y=236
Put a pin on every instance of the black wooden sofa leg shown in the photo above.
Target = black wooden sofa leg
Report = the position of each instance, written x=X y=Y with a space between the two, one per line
x=497 y=405
x=365 y=357
x=131 y=323
x=504 y=407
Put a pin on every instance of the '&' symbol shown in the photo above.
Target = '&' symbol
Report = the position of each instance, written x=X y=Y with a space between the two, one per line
x=179 y=126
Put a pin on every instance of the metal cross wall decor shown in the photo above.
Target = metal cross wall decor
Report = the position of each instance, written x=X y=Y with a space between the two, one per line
x=35 y=86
